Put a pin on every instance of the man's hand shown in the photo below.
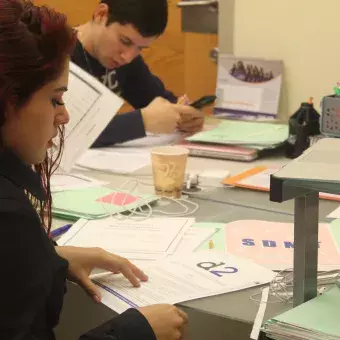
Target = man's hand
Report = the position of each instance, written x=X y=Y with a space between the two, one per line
x=160 y=116
x=192 y=120
x=167 y=321
x=83 y=260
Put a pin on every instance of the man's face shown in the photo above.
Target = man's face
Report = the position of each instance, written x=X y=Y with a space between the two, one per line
x=117 y=45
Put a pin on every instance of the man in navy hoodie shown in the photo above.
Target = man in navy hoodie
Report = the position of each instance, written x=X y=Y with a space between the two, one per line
x=109 y=47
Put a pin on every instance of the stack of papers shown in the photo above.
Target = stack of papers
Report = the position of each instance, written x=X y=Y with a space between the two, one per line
x=219 y=151
x=316 y=319
x=253 y=135
x=96 y=202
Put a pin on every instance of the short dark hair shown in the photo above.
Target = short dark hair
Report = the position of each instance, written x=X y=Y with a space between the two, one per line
x=149 y=17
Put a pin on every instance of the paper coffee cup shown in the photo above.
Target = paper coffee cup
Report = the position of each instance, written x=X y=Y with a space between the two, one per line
x=168 y=167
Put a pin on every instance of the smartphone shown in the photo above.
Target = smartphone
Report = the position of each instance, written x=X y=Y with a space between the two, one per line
x=203 y=101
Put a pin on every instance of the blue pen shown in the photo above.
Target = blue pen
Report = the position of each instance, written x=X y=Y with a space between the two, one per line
x=59 y=231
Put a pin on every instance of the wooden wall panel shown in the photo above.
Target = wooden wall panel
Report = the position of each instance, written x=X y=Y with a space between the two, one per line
x=166 y=55
x=78 y=11
x=200 y=70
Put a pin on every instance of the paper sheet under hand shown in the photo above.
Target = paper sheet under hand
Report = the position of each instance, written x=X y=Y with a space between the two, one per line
x=114 y=161
x=153 y=238
x=178 y=279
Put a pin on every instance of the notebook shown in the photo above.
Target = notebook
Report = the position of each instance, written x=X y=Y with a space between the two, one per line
x=232 y=152
x=98 y=202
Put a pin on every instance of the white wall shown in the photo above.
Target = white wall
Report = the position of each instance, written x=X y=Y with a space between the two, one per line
x=226 y=26
x=305 y=34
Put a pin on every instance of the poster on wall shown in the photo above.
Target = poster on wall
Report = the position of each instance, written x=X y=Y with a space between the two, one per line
x=248 y=88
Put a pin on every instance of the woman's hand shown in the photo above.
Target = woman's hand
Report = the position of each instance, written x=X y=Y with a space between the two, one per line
x=83 y=260
x=167 y=322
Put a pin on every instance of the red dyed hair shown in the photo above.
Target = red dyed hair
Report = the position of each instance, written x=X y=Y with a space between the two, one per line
x=35 y=43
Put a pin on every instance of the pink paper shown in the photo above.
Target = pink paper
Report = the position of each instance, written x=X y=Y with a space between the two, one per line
x=272 y=244
x=118 y=198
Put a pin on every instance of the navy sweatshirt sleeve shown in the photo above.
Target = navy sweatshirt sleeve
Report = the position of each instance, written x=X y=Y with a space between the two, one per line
x=122 y=128
x=139 y=87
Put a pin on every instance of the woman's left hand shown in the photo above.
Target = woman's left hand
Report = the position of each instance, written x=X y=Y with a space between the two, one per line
x=83 y=260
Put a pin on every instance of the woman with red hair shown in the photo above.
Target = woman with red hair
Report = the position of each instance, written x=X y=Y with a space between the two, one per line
x=35 y=44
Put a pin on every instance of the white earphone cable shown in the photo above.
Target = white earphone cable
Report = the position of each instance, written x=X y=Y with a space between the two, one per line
x=144 y=210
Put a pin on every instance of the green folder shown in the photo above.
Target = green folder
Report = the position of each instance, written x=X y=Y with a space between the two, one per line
x=316 y=319
x=75 y=204
x=218 y=238
x=252 y=134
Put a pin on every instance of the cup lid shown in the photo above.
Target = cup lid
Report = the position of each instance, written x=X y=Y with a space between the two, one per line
x=170 y=150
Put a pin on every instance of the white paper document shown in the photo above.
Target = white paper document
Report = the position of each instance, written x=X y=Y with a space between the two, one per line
x=91 y=106
x=178 y=279
x=112 y=160
x=152 y=140
x=151 y=239
x=63 y=182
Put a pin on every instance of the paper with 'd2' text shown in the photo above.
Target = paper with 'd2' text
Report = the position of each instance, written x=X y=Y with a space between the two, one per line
x=178 y=279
